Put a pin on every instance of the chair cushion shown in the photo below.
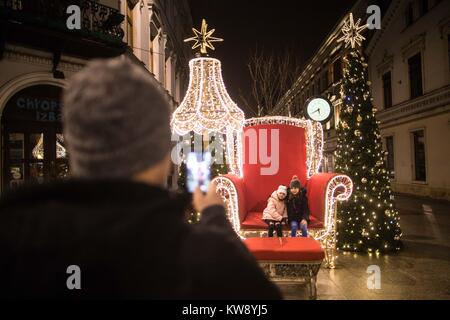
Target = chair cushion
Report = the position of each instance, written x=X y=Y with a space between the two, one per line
x=290 y=249
x=253 y=221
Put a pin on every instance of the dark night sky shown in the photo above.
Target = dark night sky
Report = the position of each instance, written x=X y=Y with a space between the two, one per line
x=271 y=25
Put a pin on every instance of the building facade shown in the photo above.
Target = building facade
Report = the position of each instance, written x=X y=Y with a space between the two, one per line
x=38 y=54
x=409 y=70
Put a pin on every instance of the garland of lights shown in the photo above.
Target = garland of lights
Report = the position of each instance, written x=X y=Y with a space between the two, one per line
x=226 y=188
x=207 y=107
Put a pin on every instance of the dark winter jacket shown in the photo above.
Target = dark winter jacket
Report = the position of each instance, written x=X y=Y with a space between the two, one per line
x=297 y=206
x=130 y=241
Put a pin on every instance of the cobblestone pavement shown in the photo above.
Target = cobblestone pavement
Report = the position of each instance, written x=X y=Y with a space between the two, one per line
x=420 y=271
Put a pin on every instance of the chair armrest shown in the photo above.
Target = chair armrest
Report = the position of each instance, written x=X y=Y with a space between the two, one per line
x=322 y=191
x=233 y=188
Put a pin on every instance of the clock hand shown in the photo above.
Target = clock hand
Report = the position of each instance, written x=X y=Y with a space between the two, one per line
x=318 y=110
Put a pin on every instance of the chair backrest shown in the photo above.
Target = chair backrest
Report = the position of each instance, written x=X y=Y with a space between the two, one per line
x=285 y=145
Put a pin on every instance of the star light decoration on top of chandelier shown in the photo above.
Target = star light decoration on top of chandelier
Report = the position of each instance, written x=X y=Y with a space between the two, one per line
x=352 y=32
x=207 y=107
x=203 y=38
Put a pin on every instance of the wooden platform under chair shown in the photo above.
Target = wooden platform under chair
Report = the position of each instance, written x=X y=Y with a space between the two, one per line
x=289 y=260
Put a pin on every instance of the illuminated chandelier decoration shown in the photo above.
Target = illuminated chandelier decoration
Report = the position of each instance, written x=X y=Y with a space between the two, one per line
x=207 y=107
x=352 y=32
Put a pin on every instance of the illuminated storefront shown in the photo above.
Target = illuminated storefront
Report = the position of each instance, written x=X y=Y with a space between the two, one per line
x=33 y=144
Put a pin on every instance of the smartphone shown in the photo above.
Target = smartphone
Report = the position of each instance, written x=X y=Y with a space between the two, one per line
x=198 y=171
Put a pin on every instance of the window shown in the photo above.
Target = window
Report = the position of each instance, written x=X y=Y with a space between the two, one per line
x=337 y=70
x=423 y=7
x=35 y=151
x=448 y=50
x=390 y=156
x=383 y=4
x=409 y=14
x=154 y=32
x=130 y=39
x=418 y=139
x=325 y=81
x=415 y=75
x=330 y=74
x=330 y=164
x=333 y=122
x=387 y=90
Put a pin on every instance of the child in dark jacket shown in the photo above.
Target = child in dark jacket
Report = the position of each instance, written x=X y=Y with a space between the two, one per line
x=297 y=208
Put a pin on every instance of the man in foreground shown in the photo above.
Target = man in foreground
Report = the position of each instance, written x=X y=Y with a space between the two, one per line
x=113 y=230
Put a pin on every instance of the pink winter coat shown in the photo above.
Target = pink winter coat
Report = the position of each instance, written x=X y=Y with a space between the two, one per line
x=276 y=209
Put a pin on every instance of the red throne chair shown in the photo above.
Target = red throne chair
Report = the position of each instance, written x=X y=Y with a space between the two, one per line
x=299 y=145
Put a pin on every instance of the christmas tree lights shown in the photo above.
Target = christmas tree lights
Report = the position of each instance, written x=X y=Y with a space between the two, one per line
x=368 y=221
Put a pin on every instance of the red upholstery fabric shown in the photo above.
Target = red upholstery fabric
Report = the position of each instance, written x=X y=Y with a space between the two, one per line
x=239 y=185
x=292 y=160
x=291 y=249
x=253 y=221
x=316 y=191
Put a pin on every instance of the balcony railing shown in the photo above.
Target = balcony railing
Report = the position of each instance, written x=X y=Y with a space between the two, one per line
x=97 y=21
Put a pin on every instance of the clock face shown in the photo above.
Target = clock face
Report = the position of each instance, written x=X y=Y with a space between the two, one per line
x=319 y=109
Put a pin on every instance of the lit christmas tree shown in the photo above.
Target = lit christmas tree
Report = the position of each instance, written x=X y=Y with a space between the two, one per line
x=368 y=221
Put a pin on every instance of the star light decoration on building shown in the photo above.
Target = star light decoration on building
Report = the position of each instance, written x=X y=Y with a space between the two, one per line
x=203 y=38
x=207 y=107
x=352 y=32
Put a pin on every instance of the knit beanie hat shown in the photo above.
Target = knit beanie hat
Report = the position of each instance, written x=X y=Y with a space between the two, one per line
x=116 y=120
x=295 y=183
x=282 y=189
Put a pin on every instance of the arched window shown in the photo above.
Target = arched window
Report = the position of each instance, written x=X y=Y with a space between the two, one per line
x=34 y=147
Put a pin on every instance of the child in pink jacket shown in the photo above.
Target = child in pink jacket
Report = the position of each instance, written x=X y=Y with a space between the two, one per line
x=276 y=211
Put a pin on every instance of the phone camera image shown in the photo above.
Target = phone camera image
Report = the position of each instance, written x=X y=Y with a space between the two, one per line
x=198 y=171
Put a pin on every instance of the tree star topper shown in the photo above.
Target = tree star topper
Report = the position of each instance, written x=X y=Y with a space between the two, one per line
x=352 y=32
x=203 y=38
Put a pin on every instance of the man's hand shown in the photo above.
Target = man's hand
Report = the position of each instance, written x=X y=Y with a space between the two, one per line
x=304 y=222
x=211 y=198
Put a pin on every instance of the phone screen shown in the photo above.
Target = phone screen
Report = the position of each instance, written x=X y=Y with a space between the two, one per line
x=198 y=171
